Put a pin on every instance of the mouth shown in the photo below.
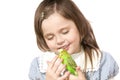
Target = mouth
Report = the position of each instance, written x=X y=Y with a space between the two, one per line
x=65 y=47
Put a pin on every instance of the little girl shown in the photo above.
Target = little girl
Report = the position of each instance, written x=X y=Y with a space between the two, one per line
x=59 y=24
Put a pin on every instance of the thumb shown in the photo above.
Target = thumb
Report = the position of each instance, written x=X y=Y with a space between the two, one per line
x=48 y=62
x=79 y=70
x=80 y=73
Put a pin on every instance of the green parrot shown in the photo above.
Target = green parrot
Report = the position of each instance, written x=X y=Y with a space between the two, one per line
x=68 y=61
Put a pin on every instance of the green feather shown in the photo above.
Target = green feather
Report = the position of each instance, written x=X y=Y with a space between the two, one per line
x=68 y=61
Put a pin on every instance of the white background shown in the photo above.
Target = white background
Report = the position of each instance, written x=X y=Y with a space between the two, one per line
x=17 y=38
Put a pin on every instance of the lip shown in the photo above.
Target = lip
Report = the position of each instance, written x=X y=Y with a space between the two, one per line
x=66 y=47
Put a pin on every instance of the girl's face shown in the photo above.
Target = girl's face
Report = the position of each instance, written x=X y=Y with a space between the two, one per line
x=61 y=33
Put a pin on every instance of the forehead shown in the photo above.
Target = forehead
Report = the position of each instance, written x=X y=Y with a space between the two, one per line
x=54 y=22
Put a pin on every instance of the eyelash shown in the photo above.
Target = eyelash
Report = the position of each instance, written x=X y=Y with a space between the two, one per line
x=65 y=32
x=50 y=38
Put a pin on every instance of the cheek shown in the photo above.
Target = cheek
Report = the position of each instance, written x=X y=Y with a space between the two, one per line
x=74 y=37
x=50 y=44
x=71 y=39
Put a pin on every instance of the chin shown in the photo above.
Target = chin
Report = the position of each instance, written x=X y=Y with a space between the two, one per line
x=70 y=52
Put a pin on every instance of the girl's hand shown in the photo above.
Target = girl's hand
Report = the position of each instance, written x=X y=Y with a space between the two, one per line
x=55 y=67
x=79 y=77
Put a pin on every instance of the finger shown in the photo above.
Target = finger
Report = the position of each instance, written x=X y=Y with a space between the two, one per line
x=48 y=62
x=51 y=63
x=65 y=76
x=79 y=71
x=80 y=74
x=60 y=69
x=57 y=64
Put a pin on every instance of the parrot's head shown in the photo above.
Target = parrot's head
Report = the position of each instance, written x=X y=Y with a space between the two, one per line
x=61 y=52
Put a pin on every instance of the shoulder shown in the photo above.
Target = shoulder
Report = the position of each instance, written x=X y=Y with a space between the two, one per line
x=108 y=65
x=34 y=69
x=39 y=65
x=107 y=58
x=108 y=68
x=34 y=61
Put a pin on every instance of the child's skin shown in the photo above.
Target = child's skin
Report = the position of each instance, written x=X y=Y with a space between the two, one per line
x=59 y=24
x=55 y=68
x=61 y=33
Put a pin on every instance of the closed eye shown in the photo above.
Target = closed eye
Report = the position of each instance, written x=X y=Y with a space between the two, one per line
x=49 y=37
x=65 y=31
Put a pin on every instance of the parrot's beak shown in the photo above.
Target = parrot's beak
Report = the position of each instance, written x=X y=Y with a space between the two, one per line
x=59 y=51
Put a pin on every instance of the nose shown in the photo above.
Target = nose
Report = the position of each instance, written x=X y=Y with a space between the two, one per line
x=60 y=40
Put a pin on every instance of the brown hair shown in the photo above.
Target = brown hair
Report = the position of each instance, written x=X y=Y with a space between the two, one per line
x=69 y=10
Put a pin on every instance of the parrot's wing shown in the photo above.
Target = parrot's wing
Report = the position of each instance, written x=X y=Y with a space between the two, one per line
x=71 y=62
